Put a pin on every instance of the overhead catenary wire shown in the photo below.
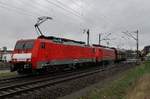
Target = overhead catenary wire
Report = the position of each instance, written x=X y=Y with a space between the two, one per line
x=71 y=9
x=45 y=10
x=75 y=2
x=14 y=10
x=59 y=6
x=106 y=18
x=40 y=7
x=129 y=34
x=68 y=7
x=49 y=2
x=18 y=8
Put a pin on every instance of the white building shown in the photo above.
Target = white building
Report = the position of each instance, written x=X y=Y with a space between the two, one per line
x=147 y=57
x=5 y=56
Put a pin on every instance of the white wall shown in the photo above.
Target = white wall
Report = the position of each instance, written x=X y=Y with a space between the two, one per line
x=6 y=57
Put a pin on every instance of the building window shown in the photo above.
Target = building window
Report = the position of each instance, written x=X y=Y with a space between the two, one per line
x=43 y=45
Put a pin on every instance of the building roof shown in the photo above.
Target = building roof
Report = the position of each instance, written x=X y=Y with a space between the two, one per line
x=8 y=51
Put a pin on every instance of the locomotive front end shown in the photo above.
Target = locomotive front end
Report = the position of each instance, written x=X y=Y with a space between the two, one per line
x=22 y=56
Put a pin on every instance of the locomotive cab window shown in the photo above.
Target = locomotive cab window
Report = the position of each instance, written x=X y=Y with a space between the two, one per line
x=43 y=45
x=21 y=45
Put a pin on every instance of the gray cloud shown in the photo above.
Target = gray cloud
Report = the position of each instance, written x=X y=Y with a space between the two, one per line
x=17 y=18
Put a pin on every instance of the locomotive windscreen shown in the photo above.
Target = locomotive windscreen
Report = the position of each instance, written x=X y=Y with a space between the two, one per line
x=24 y=44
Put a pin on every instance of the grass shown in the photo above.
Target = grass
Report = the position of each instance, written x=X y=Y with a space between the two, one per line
x=118 y=89
x=7 y=74
x=3 y=73
x=141 y=90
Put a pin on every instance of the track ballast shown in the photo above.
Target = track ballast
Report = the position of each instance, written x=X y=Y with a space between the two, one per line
x=19 y=89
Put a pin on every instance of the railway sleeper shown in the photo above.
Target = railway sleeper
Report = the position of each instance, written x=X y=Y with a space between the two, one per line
x=10 y=90
x=17 y=89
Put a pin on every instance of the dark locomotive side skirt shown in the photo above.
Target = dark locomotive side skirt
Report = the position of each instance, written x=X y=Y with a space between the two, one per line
x=43 y=64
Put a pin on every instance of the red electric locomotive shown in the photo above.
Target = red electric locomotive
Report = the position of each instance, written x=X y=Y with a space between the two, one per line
x=47 y=53
x=104 y=54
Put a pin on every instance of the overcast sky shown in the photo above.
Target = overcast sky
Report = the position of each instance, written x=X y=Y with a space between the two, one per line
x=71 y=17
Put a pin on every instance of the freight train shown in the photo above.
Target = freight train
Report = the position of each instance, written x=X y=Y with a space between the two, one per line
x=50 y=53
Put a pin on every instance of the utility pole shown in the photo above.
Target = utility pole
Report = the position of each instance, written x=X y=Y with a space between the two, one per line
x=104 y=38
x=87 y=31
x=136 y=39
x=88 y=37
x=137 y=42
x=99 y=39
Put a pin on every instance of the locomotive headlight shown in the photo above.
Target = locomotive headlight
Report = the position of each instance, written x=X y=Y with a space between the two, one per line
x=28 y=60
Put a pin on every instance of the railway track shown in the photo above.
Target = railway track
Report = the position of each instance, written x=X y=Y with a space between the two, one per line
x=18 y=89
x=11 y=79
x=25 y=87
x=22 y=78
